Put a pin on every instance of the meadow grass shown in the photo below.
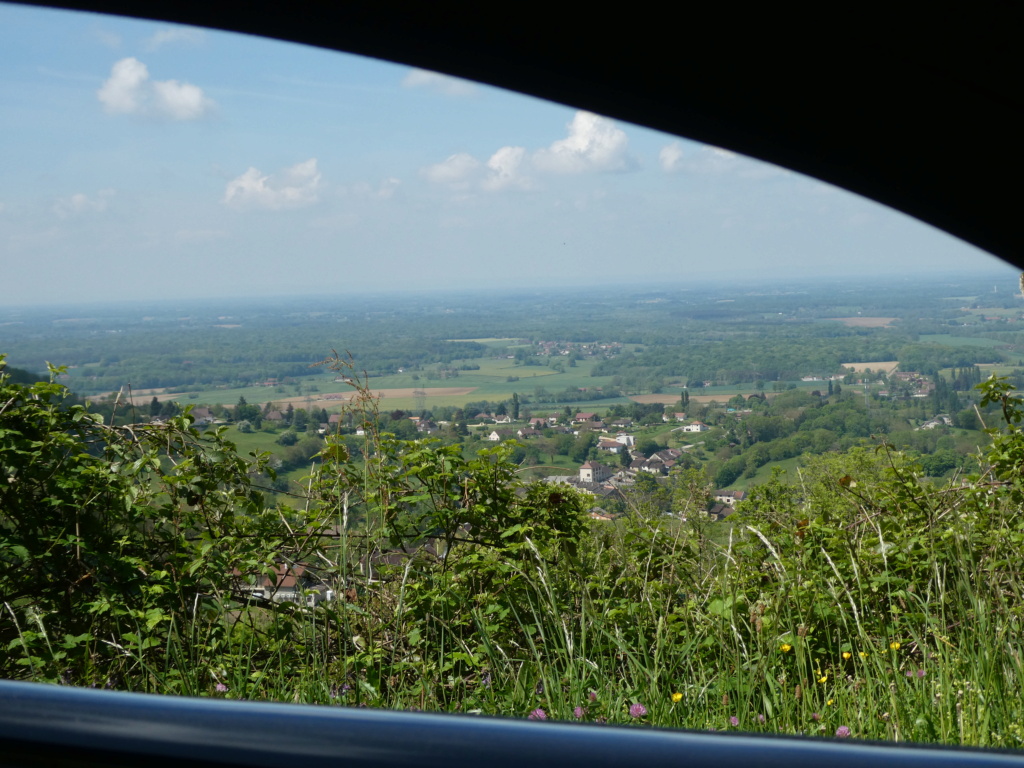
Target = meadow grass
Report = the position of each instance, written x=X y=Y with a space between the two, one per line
x=947 y=684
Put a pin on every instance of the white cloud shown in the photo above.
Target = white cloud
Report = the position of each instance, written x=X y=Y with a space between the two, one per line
x=435 y=81
x=79 y=203
x=122 y=93
x=504 y=170
x=594 y=143
x=671 y=157
x=129 y=91
x=720 y=161
x=716 y=161
x=459 y=170
x=462 y=171
x=171 y=35
x=294 y=187
x=182 y=101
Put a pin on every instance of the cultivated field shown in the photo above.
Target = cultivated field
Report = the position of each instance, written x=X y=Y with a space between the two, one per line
x=327 y=399
x=888 y=366
x=865 y=322
x=669 y=399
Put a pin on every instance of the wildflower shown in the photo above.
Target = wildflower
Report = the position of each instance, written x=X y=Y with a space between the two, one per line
x=734 y=721
x=863 y=654
x=537 y=714
x=894 y=645
x=221 y=688
x=842 y=732
x=579 y=713
x=593 y=696
x=815 y=716
x=785 y=647
x=830 y=702
x=760 y=719
x=637 y=710
x=847 y=654
x=920 y=673
x=823 y=678
x=676 y=698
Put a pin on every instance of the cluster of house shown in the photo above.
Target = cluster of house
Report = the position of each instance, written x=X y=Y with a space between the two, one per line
x=920 y=386
x=551 y=348
x=580 y=422
x=942 y=420
x=602 y=481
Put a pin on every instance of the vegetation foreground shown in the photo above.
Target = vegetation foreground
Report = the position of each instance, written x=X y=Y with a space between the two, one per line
x=854 y=599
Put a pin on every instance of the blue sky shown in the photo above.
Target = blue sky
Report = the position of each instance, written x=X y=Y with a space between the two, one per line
x=142 y=159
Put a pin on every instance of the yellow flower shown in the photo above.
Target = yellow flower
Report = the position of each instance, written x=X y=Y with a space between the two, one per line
x=894 y=645
x=785 y=647
x=830 y=702
x=823 y=678
x=676 y=698
x=847 y=654
x=863 y=655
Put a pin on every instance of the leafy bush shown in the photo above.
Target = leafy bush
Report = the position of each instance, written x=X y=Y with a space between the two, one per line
x=856 y=597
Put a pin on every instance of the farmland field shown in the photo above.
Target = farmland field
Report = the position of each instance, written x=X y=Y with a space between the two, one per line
x=865 y=322
x=887 y=366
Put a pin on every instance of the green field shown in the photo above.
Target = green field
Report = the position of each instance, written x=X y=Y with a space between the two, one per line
x=764 y=473
x=489 y=382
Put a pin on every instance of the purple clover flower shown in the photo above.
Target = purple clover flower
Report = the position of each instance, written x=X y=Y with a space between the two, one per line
x=537 y=714
x=734 y=721
x=221 y=688
x=760 y=719
x=637 y=710
x=815 y=716
x=593 y=695
x=842 y=732
x=579 y=713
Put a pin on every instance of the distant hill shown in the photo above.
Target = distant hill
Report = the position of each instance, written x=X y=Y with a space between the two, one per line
x=21 y=376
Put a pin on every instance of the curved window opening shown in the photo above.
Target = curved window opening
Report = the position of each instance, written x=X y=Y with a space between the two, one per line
x=634 y=430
